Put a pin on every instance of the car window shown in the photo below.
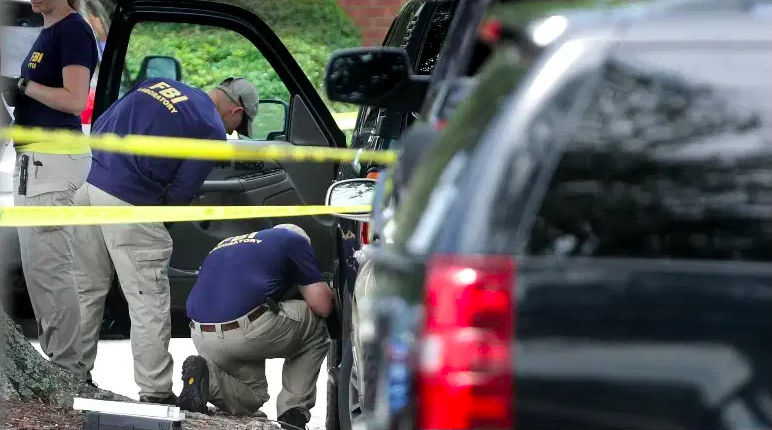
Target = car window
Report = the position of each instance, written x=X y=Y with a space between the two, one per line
x=673 y=160
x=396 y=36
x=438 y=29
x=239 y=58
x=431 y=48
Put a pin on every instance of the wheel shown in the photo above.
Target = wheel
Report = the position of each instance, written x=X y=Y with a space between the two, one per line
x=349 y=399
x=332 y=421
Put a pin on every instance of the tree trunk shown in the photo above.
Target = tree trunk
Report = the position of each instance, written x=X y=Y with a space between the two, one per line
x=26 y=376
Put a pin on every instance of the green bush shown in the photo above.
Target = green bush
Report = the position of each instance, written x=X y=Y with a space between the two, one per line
x=310 y=29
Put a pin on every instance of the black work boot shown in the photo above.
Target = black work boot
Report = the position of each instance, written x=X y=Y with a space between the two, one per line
x=195 y=385
x=170 y=400
x=293 y=419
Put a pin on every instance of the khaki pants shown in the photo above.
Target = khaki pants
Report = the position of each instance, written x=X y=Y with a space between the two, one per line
x=139 y=254
x=47 y=255
x=236 y=359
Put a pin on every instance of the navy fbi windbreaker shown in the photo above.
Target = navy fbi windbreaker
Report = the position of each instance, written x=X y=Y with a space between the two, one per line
x=156 y=107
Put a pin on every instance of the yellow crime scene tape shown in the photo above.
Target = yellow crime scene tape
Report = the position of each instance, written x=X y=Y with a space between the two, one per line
x=45 y=216
x=61 y=141
x=173 y=147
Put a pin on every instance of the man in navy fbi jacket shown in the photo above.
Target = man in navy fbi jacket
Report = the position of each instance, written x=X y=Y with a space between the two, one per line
x=140 y=253
x=241 y=315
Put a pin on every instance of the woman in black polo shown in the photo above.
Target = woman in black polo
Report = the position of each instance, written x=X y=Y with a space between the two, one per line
x=52 y=93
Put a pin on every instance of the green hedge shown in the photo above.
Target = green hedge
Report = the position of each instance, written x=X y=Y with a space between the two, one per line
x=311 y=30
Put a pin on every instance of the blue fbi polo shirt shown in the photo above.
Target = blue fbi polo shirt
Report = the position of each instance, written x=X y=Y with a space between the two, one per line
x=242 y=271
x=156 y=107
x=69 y=42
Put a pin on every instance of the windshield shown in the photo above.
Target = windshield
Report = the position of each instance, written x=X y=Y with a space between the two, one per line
x=668 y=156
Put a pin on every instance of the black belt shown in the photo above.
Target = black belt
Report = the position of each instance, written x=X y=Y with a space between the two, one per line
x=255 y=314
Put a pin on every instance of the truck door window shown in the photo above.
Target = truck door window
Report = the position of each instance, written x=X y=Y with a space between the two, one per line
x=435 y=37
x=673 y=160
x=430 y=50
x=396 y=36
x=220 y=53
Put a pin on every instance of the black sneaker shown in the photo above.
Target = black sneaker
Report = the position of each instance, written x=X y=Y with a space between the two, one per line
x=195 y=385
x=293 y=419
x=170 y=400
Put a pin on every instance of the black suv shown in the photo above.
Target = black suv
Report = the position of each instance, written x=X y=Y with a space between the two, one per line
x=588 y=243
x=418 y=30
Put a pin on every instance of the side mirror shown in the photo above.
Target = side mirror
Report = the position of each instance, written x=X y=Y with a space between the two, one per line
x=159 y=66
x=377 y=76
x=351 y=192
x=272 y=120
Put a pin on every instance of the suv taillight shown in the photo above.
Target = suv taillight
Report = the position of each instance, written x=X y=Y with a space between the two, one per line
x=465 y=375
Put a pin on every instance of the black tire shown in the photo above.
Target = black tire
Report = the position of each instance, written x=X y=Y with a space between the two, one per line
x=346 y=365
x=333 y=355
x=344 y=380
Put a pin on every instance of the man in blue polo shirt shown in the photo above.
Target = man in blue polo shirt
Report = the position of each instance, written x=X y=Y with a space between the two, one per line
x=237 y=324
x=140 y=253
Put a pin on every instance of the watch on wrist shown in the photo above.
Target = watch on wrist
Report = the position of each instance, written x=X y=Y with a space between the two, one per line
x=22 y=85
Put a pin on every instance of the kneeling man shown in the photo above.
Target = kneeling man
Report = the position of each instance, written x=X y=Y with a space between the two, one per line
x=236 y=324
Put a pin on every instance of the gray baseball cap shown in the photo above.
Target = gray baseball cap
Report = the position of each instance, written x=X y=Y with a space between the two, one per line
x=294 y=228
x=244 y=94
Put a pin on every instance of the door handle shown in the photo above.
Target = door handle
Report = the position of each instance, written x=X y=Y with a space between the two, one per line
x=225 y=186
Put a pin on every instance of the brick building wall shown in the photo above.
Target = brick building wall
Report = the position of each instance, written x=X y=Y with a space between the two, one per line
x=373 y=17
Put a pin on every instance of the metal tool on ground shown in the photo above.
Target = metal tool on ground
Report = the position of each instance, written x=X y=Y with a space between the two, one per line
x=109 y=415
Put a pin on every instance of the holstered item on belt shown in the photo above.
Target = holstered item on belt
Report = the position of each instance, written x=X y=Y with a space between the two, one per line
x=272 y=305
x=23 y=174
